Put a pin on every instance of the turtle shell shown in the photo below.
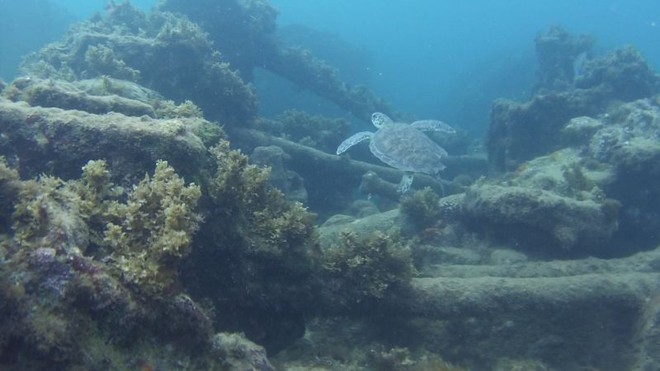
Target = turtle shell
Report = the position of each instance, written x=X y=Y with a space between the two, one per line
x=406 y=148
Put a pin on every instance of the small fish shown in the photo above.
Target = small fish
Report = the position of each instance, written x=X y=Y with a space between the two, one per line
x=578 y=65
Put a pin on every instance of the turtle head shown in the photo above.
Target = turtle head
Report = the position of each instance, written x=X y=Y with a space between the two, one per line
x=379 y=119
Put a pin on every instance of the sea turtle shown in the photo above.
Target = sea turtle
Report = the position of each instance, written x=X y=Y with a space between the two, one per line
x=403 y=146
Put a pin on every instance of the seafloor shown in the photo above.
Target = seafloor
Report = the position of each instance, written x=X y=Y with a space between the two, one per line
x=151 y=219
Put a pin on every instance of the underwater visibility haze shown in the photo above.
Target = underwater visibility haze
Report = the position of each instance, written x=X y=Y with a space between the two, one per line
x=329 y=185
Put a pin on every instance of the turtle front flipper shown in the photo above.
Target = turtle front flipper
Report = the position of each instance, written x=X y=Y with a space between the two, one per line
x=433 y=125
x=353 y=140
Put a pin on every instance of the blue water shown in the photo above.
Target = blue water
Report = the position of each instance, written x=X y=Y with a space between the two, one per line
x=429 y=58
x=446 y=59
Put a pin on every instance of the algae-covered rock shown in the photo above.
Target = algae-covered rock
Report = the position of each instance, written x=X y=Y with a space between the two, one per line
x=566 y=172
x=73 y=96
x=257 y=253
x=331 y=231
x=358 y=272
x=67 y=139
x=558 y=53
x=65 y=289
x=245 y=32
x=129 y=45
x=421 y=209
x=152 y=231
x=622 y=75
x=538 y=219
x=629 y=142
x=287 y=181
x=311 y=130
x=239 y=353
x=9 y=188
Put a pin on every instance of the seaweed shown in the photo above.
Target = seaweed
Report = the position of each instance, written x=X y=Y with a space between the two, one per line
x=359 y=272
x=93 y=268
x=421 y=209
x=258 y=252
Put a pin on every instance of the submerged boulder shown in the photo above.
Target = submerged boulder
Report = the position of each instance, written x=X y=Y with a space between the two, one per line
x=144 y=48
x=622 y=75
x=60 y=142
x=536 y=219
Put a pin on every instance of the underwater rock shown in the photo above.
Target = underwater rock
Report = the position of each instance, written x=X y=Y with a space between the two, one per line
x=311 y=130
x=579 y=130
x=620 y=76
x=539 y=221
x=564 y=313
x=628 y=141
x=68 y=300
x=60 y=142
x=281 y=177
x=363 y=272
x=587 y=319
x=568 y=173
x=507 y=256
x=69 y=96
x=558 y=53
x=239 y=353
x=611 y=160
x=623 y=75
x=245 y=31
x=257 y=253
x=515 y=126
x=242 y=30
x=372 y=184
x=130 y=45
x=331 y=231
